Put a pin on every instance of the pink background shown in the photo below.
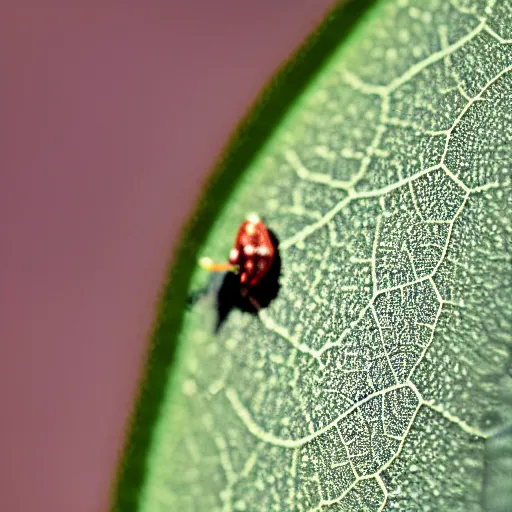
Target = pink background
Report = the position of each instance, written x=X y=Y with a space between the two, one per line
x=110 y=118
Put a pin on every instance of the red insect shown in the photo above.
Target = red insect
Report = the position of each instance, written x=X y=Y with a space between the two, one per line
x=252 y=255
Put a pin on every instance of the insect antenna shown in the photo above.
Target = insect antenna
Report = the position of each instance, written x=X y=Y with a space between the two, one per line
x=211 y=266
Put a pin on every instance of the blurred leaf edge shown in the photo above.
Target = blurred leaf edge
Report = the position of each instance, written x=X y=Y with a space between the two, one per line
x=246 y=140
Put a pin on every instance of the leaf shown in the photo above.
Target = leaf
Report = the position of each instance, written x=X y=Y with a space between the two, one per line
x=380 y=376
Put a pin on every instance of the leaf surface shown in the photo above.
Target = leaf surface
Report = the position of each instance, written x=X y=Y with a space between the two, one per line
x=380 y=376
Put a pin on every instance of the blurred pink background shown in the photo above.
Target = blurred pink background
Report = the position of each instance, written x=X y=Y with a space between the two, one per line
x=110 y=118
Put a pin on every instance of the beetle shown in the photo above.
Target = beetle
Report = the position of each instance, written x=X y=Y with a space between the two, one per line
x=251 y=257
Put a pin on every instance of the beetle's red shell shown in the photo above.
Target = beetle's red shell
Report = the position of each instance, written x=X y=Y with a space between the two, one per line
x=253 y=252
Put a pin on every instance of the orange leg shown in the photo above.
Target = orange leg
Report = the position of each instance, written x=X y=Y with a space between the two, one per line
x=209 y=265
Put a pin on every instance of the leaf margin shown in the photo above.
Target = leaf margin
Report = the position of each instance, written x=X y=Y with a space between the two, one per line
x=262 y=118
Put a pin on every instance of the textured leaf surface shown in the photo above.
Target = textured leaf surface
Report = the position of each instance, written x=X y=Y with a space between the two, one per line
x=380 y=376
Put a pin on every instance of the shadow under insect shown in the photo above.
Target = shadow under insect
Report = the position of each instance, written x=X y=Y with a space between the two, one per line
x=230 y=296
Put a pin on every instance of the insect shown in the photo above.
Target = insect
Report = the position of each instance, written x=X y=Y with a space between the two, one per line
x=251 y=257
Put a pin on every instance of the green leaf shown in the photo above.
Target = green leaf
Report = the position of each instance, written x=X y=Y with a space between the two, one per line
x=380 y=376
